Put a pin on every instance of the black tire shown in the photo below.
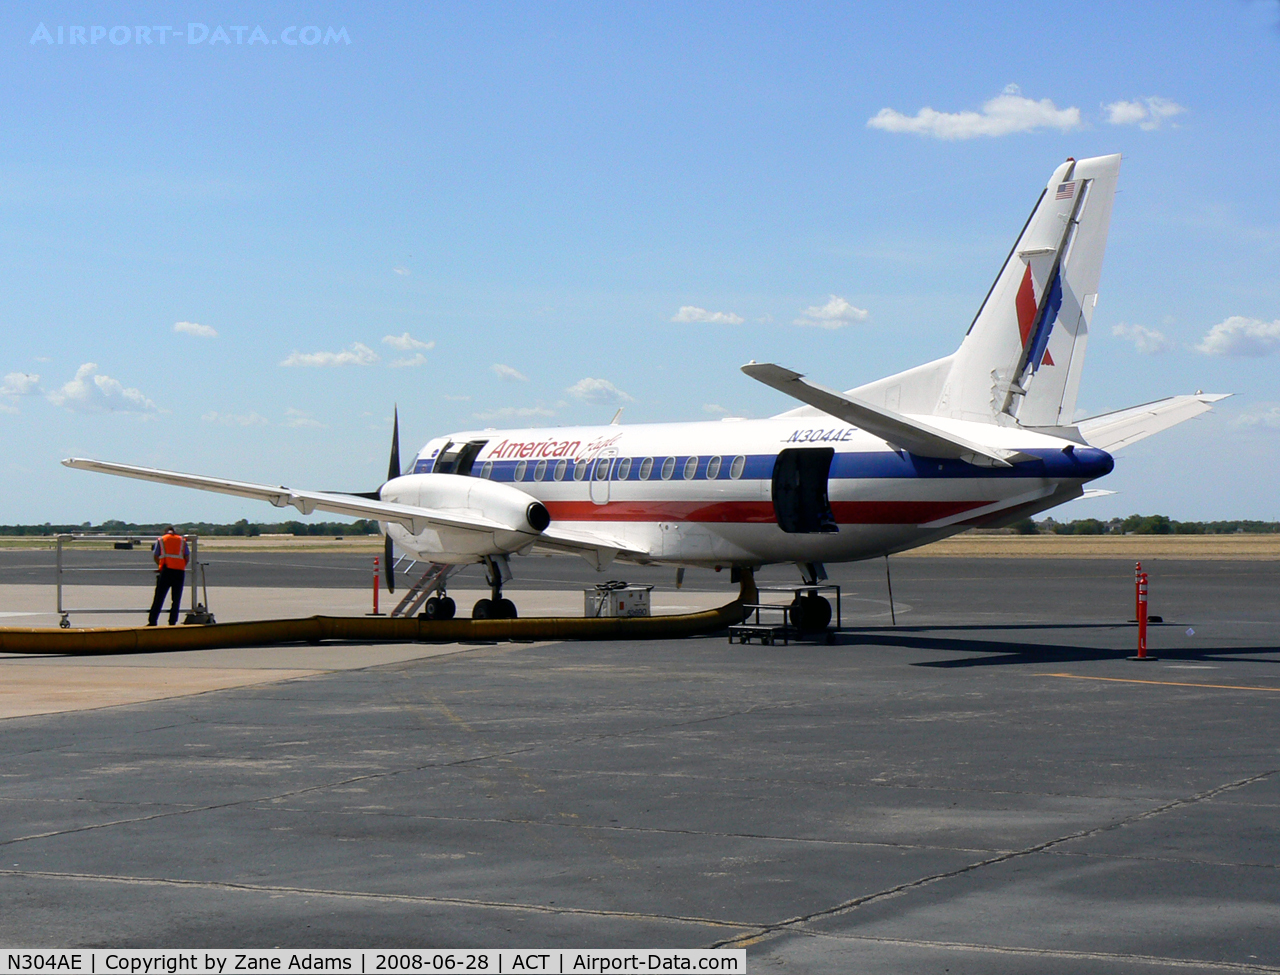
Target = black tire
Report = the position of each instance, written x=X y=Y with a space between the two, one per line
x=431 y=610
x=798 y=614
x=817 y=614
x=448 y=608
x=483 y=610
x=506 y=609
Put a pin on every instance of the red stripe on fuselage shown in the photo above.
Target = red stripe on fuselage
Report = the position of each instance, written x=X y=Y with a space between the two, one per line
x=756 y=512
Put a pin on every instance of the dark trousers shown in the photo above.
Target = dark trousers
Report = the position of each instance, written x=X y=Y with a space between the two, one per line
x=166 y=580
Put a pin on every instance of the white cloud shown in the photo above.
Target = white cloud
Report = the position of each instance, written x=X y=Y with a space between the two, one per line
x=1239 y=336
x=407 y=343
x=507 y=374
x=1261 y=416
x=402 y=271
x=1008 y=112
x=514 y=412
x=235 y=419
x=1147 y=340
x=455 y=399
x=836 y=313
x=358 y=355
x=1146 y=113
x=19 y=384
x=199 y=331
x=715 y=409
x=298 y=418
x=417 y=360
x=692 y=313
x=598 y=392
x=91 y=392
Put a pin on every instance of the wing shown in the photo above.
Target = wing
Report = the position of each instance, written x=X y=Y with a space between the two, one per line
x=901 y=431
x=597 y=549
x=412 y=517
x=1111 y=431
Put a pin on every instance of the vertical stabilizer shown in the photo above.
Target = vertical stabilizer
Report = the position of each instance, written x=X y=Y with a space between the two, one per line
x=1022 y=358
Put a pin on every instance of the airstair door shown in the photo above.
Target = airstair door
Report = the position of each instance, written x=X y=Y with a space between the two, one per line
x=800 y=501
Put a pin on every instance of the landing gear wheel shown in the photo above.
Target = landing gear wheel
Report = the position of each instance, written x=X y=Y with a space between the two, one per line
x=817 y=613
x=506 y=609
x=483 y=610
x=810 y=614
x=431 y=611
x=448 y=608
x=796 y=614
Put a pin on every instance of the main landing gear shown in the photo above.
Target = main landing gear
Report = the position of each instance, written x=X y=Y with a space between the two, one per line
x=496 y=607
x=439 y=608
x=809 y=612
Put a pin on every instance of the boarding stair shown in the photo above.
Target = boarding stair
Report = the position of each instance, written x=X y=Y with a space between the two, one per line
x=431 y=582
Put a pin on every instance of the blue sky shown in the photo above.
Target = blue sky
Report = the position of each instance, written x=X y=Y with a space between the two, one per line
x=234 y=258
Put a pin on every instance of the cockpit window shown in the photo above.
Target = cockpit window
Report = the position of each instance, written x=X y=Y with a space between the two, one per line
x=458 y=458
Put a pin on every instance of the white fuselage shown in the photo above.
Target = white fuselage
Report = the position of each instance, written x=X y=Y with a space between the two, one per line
x=751 y=492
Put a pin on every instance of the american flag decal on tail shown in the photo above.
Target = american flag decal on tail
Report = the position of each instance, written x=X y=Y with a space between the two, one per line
x=1065 y=191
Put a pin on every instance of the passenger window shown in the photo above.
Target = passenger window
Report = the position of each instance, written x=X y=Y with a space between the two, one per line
x=646 y=468
x=735 y=469
x=668 y=468
x=624 y=469
x=540 y=471
x=713 y=468
x=602 y=469
x=579 y=470
x=690 y=468
x=520 y=469
x=486 y=469
x=561 y=467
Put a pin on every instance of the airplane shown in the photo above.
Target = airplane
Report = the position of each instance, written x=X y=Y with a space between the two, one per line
x=984 y=437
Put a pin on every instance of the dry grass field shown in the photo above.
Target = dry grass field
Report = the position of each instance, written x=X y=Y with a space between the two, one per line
x=967 y=545
x=1135 y=547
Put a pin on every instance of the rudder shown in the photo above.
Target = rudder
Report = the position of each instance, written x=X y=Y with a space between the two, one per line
x=1022 y=357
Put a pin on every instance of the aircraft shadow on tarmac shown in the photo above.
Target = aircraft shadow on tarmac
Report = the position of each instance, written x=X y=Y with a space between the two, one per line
x=990 y=653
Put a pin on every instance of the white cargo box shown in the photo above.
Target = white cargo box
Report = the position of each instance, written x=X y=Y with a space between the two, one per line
x=613 y=599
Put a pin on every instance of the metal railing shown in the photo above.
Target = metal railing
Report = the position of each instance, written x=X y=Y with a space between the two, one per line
x=194 y=566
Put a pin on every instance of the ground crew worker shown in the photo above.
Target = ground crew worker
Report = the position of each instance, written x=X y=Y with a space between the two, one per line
x=171 y=554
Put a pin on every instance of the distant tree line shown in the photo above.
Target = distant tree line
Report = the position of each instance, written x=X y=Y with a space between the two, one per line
x=1145 y=525
x=242 y=528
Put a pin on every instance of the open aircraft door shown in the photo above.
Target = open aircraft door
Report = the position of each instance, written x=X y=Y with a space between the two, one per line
x=800 y=501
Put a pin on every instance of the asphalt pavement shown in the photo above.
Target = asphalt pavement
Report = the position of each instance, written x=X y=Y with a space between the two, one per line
x=990 y=786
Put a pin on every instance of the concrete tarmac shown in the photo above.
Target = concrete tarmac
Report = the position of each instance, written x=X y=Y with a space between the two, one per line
x=990 y=786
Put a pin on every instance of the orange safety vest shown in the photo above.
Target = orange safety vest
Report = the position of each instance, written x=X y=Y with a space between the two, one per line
x=171 y=552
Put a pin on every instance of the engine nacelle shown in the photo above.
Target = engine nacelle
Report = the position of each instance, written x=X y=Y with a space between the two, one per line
x=521 y=516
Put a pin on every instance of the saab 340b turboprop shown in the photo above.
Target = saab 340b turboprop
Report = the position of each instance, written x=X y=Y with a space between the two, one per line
x=982 y=437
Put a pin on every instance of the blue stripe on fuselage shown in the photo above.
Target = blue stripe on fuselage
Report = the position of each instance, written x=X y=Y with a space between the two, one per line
x=1080 y=462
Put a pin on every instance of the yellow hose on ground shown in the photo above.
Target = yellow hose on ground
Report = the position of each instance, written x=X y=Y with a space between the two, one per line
x=369 y=629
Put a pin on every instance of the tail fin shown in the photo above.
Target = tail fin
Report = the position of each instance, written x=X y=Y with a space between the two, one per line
x=1022 y=357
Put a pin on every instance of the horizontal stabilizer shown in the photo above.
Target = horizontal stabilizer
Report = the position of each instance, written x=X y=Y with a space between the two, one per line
x=1111 y=431
x=903 y=432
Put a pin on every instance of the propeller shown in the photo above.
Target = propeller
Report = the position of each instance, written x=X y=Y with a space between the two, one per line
x=393 y=471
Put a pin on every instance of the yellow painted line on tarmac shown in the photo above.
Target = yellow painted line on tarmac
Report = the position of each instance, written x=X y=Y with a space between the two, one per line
x=1170 y=683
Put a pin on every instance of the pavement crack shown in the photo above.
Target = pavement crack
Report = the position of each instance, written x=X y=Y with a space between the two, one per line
x=1063 y=954
x=844 y=907
x=377 y=896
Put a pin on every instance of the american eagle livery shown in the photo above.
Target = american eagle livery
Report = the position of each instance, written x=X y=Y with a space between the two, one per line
x=983 y=437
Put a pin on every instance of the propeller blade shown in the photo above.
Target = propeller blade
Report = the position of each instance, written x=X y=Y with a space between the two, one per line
x=393 y=468
x=388 y=569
